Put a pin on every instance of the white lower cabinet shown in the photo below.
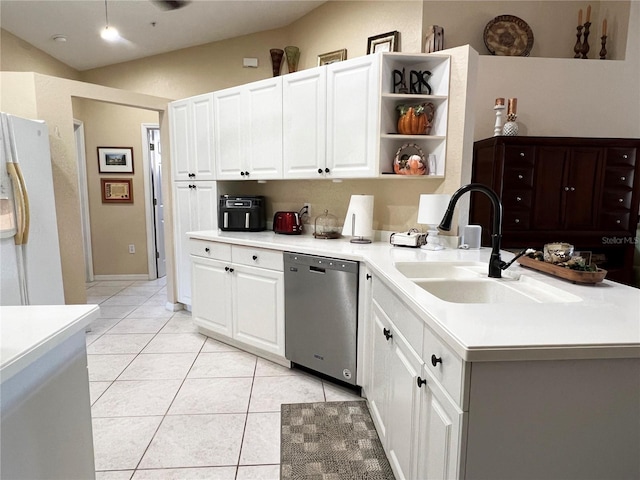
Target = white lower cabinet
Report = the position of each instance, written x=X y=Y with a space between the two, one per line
x=239 y=294
x=418 y=422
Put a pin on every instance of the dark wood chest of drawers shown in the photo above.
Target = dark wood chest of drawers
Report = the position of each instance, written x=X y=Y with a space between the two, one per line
x=584 y=191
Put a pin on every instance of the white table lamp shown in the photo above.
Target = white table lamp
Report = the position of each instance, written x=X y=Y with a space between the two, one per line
x=430 y=212
x=359 y=220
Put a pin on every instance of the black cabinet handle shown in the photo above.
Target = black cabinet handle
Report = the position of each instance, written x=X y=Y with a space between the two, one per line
x=320 y=171
x=420 y=382
x=207 y=249
x=192 y=186
x=435 y=360
x=387 y=333
x=246 y=173
x=242 y=173
x=326 y=170
x=369 y=277
x=226 y=269
x=255 y=257
x=230 y=270
x=192 y=175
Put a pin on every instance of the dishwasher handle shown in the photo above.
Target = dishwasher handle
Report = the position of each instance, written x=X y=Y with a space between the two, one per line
x=314 y=269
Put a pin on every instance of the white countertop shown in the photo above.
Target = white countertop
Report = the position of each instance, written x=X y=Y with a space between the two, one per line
x=605 y=323
x=28 y=332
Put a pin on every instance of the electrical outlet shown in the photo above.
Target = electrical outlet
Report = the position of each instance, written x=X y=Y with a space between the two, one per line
x=308 y=205
x=132 y=248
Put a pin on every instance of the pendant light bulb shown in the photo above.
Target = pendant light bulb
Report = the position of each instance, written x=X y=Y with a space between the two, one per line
x=108 y=33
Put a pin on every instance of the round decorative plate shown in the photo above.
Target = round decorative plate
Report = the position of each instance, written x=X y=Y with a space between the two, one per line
x=509 y=36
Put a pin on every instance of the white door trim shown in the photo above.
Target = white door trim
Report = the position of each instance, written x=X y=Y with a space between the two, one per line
x=148 y=206
x=83 y=192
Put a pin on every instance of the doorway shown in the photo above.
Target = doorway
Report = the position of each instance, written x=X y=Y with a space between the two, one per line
x=155 y=210
x=78 y=131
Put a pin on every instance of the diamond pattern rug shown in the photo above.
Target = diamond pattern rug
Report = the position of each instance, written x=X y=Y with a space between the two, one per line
x=331 y=441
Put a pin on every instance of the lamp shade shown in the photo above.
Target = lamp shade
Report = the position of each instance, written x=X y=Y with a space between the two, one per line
x=359 y=219
x=432 y=208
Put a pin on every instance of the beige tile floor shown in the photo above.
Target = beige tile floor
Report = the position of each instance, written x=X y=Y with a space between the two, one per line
x=169 y=403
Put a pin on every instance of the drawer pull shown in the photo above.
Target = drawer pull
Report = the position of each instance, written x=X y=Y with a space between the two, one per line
x=625 y=156
x=623 y=178
x=326 y=170
x=387 y=333
x=522 y=154
x=520 y=177
x=566 y=189
x=621 y=200
x=369 y=277
x=420 y=382
x=435 y=360
x=618 y=222
x=207 y=249
x=573 y=189
x=518 y=199
x=517 y=220
x=320 y=171
x=255 y=257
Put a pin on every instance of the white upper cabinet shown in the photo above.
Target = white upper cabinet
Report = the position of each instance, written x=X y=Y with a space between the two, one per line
x=191 y=123
x=304 y=137
x=248 y=133
x=353 y=109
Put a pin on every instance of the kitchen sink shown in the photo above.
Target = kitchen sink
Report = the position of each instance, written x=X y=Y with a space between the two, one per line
x=415 y=270
x=467 y=282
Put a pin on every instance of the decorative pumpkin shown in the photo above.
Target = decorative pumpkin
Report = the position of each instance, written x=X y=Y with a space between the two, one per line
x=404 y=164
x=416 y=119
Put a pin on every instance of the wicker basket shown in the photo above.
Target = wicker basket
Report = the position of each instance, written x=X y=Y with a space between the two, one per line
x=410 y=164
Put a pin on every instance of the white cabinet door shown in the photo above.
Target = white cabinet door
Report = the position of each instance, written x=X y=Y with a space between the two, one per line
x=191 y=132
x=194 y=209
x=379 y=374
x=353 y=109
x=248 y=133
x=263 y=129
x=439 y=433
x=305 y=123
x=258 y=308
x=212 y=295
x=180 y=135
x=404 y=403
x=202 y=131
x=228 y=134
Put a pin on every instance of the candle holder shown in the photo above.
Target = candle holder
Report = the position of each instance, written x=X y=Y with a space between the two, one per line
x=585 y=41
x=603 y=50
x=578 y=46
x=497 y=129
x=510 y=128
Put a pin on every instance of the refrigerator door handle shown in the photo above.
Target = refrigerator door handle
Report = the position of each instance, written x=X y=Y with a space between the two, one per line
x=22 y=203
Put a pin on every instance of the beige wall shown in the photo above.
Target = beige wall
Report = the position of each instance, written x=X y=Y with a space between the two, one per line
x=115 y=226
x=553 y=24
x=16 y=55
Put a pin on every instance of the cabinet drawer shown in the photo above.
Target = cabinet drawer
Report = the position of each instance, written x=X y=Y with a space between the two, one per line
x=517 y=177
x=621 y=156
x=615 y=221
x=443 y=364
x=257 y=257
x=520 y=199
x=520 y=154
x=618 y=177
x=406 y=321
x=516 y=220
x=207 y=249
x=617 y=200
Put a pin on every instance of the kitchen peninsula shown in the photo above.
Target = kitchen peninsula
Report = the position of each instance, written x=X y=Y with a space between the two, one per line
x=46 y=413
x=480 y=390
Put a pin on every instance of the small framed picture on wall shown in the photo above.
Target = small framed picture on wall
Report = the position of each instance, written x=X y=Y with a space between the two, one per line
x=115 y=159
x=116 y=190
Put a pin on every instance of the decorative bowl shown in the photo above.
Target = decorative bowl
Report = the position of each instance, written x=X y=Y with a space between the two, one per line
x=557 y=252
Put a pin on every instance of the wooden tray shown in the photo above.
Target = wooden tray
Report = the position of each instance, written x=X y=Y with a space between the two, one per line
x=575 y=276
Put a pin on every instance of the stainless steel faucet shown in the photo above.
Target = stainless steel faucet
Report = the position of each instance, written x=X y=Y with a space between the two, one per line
x=496 y=265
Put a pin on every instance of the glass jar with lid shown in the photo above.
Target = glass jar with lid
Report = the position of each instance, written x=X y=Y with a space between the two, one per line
x=326 y=226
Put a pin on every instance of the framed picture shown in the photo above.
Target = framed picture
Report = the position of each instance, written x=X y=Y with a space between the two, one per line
x=116 y=190
x=332 y=57
x=385 y=42
x=115 y=159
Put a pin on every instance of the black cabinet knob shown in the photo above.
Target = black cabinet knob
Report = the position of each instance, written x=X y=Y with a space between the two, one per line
x=230 y=270
x=326 y=170
x=207 y=249
x=420 y=382
x=435 y=360
x=255 y=257
x=246 y=173
x=192 y=175
x=242 y=174
x=192 y=186
x=387 y=333
x=320 y=170
x=369 y=277
x=226 y=269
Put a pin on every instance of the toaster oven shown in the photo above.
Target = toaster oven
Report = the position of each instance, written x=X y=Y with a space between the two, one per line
x=242 y=213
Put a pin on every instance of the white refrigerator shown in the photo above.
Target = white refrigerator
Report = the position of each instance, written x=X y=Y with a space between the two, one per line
x=31 y=273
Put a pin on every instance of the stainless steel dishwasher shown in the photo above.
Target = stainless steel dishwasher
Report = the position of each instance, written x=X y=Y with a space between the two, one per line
x=321 y=314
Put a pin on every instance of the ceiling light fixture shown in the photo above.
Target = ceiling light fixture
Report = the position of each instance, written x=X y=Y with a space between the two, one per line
x=108 y=33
